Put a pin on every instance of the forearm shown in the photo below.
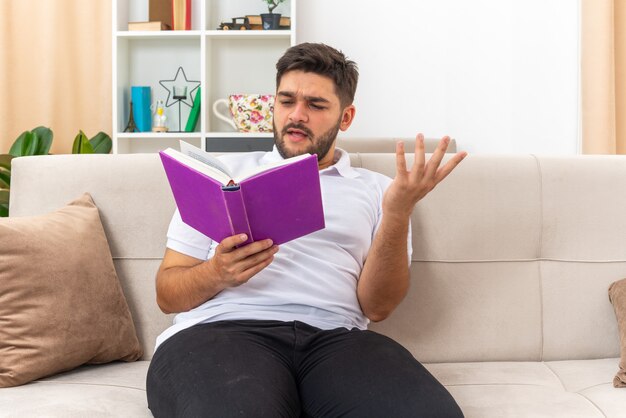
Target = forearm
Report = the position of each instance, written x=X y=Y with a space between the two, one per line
x=180 y=289
x=384 y=280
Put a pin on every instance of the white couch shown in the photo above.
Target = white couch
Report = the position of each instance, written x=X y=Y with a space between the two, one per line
x=508 y=305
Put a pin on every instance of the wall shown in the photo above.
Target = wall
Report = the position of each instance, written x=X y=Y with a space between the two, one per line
x=55 y=69
x=500 y=76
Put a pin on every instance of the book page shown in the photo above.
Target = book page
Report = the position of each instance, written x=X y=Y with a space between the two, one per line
x=256 y=170
x=204 y=157
x=197 y=165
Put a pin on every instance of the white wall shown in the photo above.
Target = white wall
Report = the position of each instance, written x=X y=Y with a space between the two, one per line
x=500 y=76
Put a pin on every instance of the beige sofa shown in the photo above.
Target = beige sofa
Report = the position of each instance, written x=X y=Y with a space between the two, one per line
x=508 y=306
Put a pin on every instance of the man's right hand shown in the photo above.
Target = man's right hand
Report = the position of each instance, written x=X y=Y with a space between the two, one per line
x=236 y=266
x=185 y=282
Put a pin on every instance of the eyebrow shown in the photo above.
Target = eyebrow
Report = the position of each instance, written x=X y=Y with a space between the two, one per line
x=313 y=99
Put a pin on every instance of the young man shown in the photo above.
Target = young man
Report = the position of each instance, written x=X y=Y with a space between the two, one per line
x=268 y=333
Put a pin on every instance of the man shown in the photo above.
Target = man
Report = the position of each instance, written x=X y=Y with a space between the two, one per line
x=268 y=333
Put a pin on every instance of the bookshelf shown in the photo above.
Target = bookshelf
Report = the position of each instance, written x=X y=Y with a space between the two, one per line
x=225 y=62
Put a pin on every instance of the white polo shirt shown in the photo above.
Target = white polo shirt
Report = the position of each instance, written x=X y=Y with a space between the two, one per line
x=312 y=279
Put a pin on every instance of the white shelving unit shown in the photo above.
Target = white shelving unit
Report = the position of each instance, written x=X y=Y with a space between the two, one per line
x=224 y=62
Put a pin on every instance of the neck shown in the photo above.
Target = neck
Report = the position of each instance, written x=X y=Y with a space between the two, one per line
x=328 y=159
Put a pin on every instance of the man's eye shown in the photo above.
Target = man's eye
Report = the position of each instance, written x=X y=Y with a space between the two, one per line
x=286 y=102
x=317 y=107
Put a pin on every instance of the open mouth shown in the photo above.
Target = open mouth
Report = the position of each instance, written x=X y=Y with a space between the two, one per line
x=297 y=134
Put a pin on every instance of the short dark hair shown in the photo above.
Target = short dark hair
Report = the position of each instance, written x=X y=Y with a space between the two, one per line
x=323 y=60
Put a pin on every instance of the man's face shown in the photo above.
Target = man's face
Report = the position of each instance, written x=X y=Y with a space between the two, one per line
x=308 y=115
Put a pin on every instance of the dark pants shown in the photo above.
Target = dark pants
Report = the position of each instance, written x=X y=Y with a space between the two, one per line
x=290 y=369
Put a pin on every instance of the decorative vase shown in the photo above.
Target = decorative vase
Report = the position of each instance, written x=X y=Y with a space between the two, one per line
x=271 y=21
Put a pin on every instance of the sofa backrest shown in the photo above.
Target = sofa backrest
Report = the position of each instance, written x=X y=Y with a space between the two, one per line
x=513 y=255
x=384 y=145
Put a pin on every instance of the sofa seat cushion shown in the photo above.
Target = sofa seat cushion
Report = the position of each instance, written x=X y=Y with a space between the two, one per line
x=577 y=388
x=110 y=390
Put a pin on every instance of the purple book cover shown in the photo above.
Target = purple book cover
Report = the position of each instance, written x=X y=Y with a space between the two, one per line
x=283 y=203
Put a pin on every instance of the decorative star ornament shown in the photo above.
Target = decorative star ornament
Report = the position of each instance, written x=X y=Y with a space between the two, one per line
x=179 y=81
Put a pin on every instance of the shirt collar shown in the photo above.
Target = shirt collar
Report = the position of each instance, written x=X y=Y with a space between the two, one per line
x=341 y=162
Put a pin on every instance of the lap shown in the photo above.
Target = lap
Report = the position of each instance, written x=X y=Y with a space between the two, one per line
x=275 y=369
x=365 y=374
x=216 y=370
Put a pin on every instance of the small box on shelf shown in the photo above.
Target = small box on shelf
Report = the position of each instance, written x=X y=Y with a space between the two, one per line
x=150 y=26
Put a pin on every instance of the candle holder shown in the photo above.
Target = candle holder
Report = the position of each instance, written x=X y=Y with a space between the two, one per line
x=179 y=90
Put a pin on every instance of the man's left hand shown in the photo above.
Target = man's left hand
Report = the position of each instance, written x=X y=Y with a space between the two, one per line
x=410 y=186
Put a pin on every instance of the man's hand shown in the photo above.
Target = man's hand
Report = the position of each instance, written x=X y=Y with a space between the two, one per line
x=235 y=266
x=184 y=282
x=409 y=187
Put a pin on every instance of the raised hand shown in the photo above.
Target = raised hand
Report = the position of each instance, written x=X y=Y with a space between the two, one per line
x=410 y=186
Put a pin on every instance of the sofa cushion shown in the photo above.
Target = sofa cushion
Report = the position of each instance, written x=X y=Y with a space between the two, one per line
x=617 y=296
x=61 y=303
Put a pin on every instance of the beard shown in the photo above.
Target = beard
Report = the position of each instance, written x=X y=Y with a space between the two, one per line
x=319 y=145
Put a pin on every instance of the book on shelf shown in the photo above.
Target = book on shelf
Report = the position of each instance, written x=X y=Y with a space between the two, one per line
x=280 y=200
x=141 y=99
x=152 y=25
x=160 y=11
x=181 y=14
x=194 y=113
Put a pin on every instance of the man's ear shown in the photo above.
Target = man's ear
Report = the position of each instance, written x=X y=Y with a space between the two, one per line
x=347 y=117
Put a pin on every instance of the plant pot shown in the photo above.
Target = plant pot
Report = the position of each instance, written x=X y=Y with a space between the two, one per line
x=271 y=21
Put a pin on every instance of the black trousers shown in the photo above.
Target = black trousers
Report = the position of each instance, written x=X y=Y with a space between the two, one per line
x=290 y=369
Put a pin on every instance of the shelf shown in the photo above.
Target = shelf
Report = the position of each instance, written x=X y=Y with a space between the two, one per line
x=249 y=34
x=223 y=62
x=165 y=34
x=159 y=135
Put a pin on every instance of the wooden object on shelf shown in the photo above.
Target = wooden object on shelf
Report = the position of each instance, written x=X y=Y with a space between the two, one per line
x=181 y=14
x=148 y=26
x=257 y=24
x=160 y=11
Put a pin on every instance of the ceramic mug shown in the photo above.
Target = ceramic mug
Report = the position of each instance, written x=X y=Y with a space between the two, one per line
x=248 y=112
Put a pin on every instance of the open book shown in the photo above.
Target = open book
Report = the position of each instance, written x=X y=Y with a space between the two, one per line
x=281 y=200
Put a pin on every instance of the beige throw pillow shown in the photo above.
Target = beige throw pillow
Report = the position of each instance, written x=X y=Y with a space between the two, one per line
x=617 y=296
x=61 y=303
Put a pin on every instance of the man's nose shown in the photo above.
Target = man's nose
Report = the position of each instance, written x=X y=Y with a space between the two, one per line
x=299 y=113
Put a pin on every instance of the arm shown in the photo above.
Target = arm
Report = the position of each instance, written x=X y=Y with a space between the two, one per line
x=184 y=282
x=384 y=280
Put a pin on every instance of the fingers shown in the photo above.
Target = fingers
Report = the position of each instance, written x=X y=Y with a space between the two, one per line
x=450 y=165
x=237 y=265
x=400 y=159
x=229 y=244
x=435 y=160
x=420 y=154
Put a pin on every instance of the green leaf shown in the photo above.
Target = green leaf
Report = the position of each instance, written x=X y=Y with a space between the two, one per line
x=5 y=161
x=16 y=148
x=4 y=203
x=30 y=144
x=5 y=178
x=101 y=143
x=45 y=140
x=81 y=144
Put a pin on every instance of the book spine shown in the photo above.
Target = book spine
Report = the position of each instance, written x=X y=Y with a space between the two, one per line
x=140 y=96
x=194 y=113
x=188 y=15
x=237 y=215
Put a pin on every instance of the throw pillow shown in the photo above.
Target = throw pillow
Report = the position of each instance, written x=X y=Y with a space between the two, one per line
x=61 y=303
x=617 y=296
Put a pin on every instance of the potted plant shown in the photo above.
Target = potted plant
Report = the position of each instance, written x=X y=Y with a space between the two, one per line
x=271 y=20
x=38 y=142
